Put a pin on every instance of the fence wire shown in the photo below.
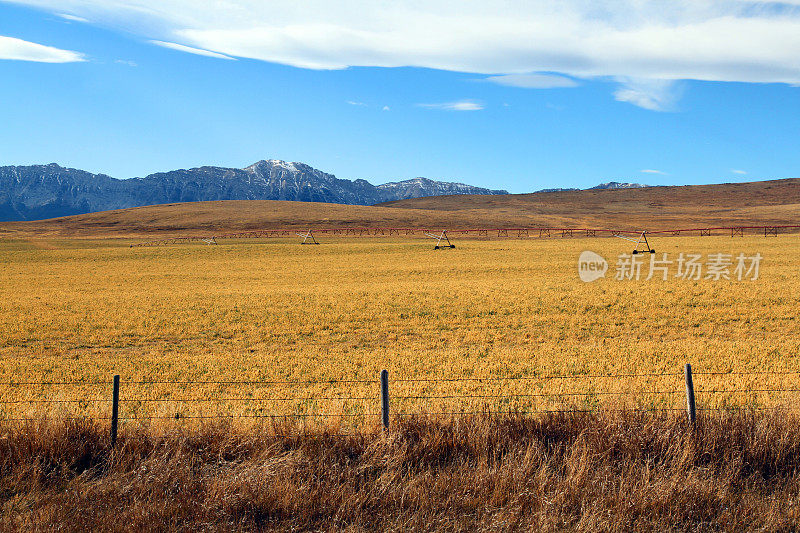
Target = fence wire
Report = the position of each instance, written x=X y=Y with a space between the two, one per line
x=376 y=399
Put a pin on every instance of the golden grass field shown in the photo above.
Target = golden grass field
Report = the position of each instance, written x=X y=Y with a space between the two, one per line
x=272 y=310
x=492 y=319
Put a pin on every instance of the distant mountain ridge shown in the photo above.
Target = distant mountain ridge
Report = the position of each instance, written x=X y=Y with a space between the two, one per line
x=618 y=185
x=47 y=191
x=602 y=186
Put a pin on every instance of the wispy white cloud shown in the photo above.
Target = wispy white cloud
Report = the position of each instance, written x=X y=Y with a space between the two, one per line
x=653 y=171
x=735 y=171
x=73 y=18
x=532 y=81
x=461 y=105
x=17 y=49
x=126 y=62
x=192 y=50
x=655 y=95
x=362 y=104
x=712 y=40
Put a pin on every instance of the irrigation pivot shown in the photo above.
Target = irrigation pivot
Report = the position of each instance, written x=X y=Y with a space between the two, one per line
x=439 y=239
x=307 y=236
x=543 y=232
x=641 y=241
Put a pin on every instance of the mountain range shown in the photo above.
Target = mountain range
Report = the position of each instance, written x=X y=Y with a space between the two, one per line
x=47 y=191
x=38 y=192
x=602 y=186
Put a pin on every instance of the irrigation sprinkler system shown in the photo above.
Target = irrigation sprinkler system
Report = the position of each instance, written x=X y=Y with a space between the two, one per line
x=307 y=236
x=439 y=239
x=637 y=236
x=641 y=241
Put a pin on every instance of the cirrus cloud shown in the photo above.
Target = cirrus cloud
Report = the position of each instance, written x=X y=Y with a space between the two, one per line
x=655 y=95
x=71 y=18
x=17 y=49
x=461 y=105
x=191 y=50
x=642 y=44
x=532 y=81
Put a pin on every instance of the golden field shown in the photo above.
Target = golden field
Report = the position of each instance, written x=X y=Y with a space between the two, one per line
x=272 y=310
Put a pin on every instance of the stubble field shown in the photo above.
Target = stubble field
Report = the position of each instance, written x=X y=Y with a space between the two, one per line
x=182 y=320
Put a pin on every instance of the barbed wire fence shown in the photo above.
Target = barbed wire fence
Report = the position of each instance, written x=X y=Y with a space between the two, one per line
x=379 y=404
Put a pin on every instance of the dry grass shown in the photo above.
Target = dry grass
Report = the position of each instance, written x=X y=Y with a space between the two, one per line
x=274 y=310
x=85 y=309
x=652 y=208
x=598 y=472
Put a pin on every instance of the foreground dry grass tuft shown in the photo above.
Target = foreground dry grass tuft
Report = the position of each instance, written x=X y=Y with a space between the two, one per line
x=612 y=471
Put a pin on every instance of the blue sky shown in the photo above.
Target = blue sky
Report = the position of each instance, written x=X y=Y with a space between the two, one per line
x=523 y=97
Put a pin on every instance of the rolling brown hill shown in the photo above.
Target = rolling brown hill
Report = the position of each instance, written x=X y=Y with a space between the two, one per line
x=774 y=202
x=761 y=202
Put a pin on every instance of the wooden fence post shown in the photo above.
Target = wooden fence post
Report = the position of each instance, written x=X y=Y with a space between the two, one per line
x=114 y=410
x=385 y=399
x=690 y=406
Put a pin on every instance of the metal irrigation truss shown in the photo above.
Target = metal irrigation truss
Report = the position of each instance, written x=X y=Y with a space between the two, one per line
x=511 y=232
x=377 y=405
x=307 y=235
x=441 y=240
x=642 y=246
